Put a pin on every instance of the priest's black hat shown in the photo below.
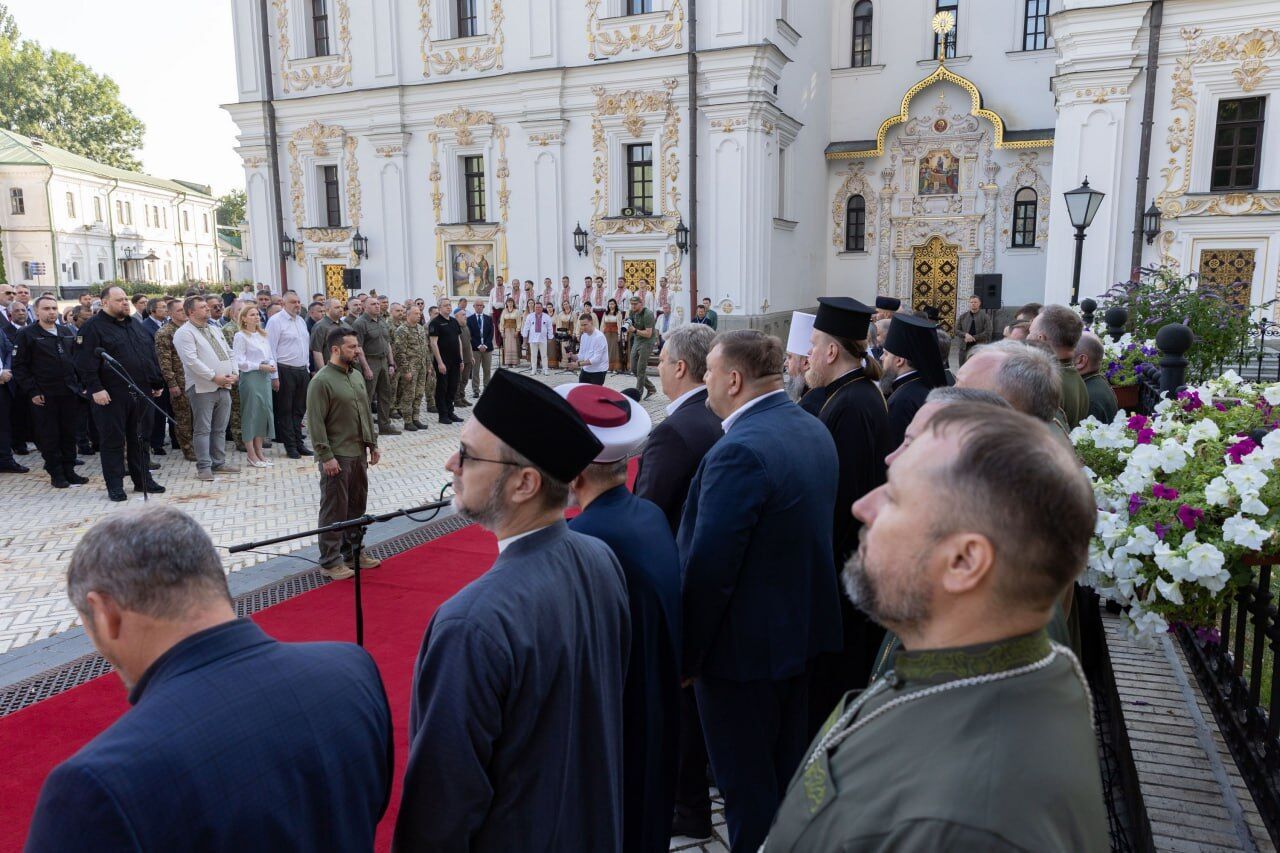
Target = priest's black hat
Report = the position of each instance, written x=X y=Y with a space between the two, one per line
x=843 y=317
x=888 y=303
x=916 y=340
x=537 y=423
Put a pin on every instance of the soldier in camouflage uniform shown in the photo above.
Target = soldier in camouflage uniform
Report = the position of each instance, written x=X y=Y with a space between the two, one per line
x=394 y=321
x=229 y=329
x=430 y=365
x=410 y=343
x=175 y=377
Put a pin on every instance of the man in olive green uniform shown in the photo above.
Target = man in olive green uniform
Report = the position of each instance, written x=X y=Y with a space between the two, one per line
x=1060 y=328
x=176 y=378
x=377 y=360
x=643 y=336
x=1103 y=404
x=980 y=737
x=461 y=313
x=410 y=345
x=320 y=332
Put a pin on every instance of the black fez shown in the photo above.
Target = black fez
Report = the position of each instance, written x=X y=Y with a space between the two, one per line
x=843 y=317
x=537 y=423
x=888 y=303
x=916 y=340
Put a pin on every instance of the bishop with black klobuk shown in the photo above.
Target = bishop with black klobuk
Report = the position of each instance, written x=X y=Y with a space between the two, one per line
x=855 y=413
x=912 y=368
x=515 y=721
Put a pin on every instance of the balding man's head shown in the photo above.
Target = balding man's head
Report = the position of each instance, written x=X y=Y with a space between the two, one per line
x=1025 y=377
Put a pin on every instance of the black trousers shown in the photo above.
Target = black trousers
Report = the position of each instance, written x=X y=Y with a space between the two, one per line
x=756 y=739
x=124 y=426
x=291 y=405
x=158 y=424
x=86 y=429
x=6 y=424
x=447 y=389
x=693 y=799
x=592 y=378
x=57 y=423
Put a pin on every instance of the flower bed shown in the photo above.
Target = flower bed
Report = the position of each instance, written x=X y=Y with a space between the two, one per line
x=1124 y=357
x=1184 y=496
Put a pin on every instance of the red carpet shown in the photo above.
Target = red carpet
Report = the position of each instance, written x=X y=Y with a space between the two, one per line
x=399 y=598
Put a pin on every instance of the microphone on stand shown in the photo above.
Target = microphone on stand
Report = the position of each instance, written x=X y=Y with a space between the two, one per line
x=106 y=356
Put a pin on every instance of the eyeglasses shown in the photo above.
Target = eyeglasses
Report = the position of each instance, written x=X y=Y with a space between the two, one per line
x=463 y=456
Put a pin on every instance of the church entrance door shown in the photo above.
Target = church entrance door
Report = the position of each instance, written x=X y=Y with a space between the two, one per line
x=636 y=270
x=935 y=266
x=333 y=285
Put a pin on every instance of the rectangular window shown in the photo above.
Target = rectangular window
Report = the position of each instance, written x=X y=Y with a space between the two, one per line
x=204 y=222
x=644 y=7
x=640 y=178
x=97 y=209
x=165 y=215
x=782 y=183
x=128 y=213
x=186 y=221
x=473 y=187
x=146 y=215
x=319 y=28
x=17 y=204
x=1035 y=25
x=468 y=18
x=952 y=6
x=1237 y=144
x=71 y=205
x=119 y=211
x=862 y=12
x=332 y=201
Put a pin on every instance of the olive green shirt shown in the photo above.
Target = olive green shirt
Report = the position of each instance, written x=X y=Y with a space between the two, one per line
x=643 y=320
x=338 y=416
x=1006 y=765
x=375 y=337
x=320 y=335
x=1075 y=397
x=1103 y=404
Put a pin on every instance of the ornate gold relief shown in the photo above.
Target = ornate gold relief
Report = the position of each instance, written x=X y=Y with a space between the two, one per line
x=445 y=56
x=461 y=123
x=388 y=151
x=854 y=184
x=1025 y=175
x=936 y=266
x=1230 y=272
x=255 y=162
x=325 y=235
x=611 y=36
x=1250 y=49
x=320 y=136
x=298 y=75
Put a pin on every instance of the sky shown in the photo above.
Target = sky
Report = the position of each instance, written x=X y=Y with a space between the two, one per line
x=175 y=64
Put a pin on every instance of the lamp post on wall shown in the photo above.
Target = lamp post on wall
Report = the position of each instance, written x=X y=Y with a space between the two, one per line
x=360 y=245
x=580 y=240
x=1151 y=223
x=682 y=237
x=1082 y=205
x=288 y=246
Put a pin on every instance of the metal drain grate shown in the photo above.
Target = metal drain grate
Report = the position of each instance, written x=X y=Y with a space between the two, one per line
x=37 y=688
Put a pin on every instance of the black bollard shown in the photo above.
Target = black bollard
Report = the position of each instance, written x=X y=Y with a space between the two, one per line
x=1115 y=319
x=1087 y=308
x=1173 y=341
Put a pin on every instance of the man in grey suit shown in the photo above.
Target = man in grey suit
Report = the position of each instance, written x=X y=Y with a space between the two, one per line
x=973 y=329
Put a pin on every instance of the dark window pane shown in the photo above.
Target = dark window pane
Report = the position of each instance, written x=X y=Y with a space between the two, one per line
x=639 y=7
x=855 y=233
x=1247 y=136
x=332 y=201
x=640 y=178
x=952 y=6
x=862 y=34
x=320 y=27
x=1236 y=160
x=473 y=180
x=468 y=19
x=1024 y=218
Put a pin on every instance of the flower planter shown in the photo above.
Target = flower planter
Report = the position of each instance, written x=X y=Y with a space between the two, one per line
x=1126 y=396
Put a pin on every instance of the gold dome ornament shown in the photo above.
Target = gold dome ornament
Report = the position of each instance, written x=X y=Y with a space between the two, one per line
x=943 y=23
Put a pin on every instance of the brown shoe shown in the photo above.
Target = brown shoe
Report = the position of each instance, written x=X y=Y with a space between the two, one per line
x=366 y=562
x=388 y=430
x=227 y=469
x=337 y=573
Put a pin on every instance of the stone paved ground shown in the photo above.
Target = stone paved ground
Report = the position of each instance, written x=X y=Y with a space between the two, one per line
x=45 y=524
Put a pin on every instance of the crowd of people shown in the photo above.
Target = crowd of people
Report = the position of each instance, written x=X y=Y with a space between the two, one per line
x=841 y=588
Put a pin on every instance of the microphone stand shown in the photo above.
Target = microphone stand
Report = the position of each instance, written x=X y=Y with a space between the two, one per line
x=359 y=524
x=136 y=393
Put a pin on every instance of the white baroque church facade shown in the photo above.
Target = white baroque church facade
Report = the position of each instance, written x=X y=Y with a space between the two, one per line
x=810 y=146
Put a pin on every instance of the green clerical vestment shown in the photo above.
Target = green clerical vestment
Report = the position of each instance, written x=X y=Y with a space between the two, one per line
x=1005 y=765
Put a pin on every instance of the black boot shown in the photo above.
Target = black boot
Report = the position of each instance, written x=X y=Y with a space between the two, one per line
x=69 y=472
x=58 y=481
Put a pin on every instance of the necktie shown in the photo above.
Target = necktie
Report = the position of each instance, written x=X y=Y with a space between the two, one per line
x=213 y=342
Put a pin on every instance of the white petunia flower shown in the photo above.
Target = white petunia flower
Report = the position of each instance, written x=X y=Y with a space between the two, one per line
x=1169 y=591
x=1172 y=456
x=1253 y=506
x=1217 y=492
x=1204 y=560
x=1202 y=430
x=1244 y=532
x=1272 y=393
x=1247 y=479
x=1142 y=540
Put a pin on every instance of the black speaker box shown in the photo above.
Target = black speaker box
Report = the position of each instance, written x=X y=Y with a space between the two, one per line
x=988 y=288
x=351 y=279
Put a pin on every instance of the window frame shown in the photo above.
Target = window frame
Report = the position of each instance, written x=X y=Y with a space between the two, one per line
x=1035 y=25
x=1022 y=234
x=1258 y=125
x=320 y=42
x=128 y=213
x=467 y=19
x=17 y=202
x=71 y=205
x=331 y=195
x=475 y=187
x=97 y=208
x=953 y=37
x=645 y=180
x=860 y=42
x=629 y=8
x=855 y=235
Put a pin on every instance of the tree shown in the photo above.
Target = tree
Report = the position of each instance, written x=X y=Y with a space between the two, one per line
x=231 y=208
x=55 y=97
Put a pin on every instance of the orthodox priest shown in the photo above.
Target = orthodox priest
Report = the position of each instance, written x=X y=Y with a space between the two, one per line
x=515 y=719
x=854 y=412
x=639 y=536
x=797 y=364
x=912 y=368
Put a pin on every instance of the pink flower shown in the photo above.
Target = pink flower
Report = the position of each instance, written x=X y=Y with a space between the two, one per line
x=1161 y=530
x=1163 y=492
x=1189 y=515
x=1241 y=449
x=1136 y=422
x=1145 y=436
x=1135 y=503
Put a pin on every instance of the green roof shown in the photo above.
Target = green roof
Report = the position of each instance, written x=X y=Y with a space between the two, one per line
x=231 y=238
x=16 y=149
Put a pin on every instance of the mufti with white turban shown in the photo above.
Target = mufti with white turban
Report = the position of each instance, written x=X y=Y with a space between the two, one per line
x=639 y=536
x=515 y=722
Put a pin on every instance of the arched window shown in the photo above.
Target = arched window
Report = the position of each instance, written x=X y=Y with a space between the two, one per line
x=75 y=270
x=1024 y=218
x=102 y=271
x=862 y=34
x=855 y=224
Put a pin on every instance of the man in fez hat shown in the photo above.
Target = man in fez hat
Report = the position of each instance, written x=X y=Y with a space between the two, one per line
x=638 y=534
x=516 y=714
x=854 y=412
x=912 y=368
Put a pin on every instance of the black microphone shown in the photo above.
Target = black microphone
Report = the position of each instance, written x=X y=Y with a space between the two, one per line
x=103 y=354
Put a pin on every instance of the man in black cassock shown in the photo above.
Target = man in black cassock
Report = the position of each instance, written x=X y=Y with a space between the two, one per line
x=515 y=722
x=912 y=368
x=855 y=413
x=639 y=536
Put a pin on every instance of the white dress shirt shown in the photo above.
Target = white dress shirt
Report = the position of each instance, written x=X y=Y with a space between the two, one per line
x=204 y=354
x=289 y=339
x=729 y=421
x=593 y=352
x=251 y=351
x=680 y=401
x=504 y=544
x=531 y=333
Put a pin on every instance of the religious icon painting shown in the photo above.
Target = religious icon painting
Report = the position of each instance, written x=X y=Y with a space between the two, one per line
x=939 y=173
x=471 y=269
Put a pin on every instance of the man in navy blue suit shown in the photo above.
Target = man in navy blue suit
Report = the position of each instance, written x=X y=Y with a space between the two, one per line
x=637 y=533
x=760 y=594
x=480 y=325
x=235 y=741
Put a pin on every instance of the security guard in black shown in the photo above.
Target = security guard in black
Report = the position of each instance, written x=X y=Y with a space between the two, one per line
x=45 y=374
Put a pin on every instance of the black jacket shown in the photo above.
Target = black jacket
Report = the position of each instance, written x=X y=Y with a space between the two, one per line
x=42 y=363
x=128 y=343
x=672 y=454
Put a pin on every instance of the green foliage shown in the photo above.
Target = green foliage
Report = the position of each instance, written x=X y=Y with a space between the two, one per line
x=8 y=26
x=53 y=96
x=231 y=208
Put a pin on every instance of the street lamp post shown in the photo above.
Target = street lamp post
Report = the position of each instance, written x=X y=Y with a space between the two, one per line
x=1082 y=205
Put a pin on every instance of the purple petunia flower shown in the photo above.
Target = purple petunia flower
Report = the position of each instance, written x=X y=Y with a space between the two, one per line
x=1189 y=515
x=1190 y=400
x=1136 y=422
x=1161 y=530
x=1145 y=436
x=1135 y=503
x=1163 y=492
x=1221 y=407
x=1241 y=449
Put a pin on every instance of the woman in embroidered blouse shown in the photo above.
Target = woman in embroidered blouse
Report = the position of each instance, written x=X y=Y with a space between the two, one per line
x=257 y=369
x=611 y=324
x=510 y=334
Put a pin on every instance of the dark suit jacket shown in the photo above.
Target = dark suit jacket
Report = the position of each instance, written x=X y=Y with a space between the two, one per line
x=235 y=742
x=760 y=592
x=982 y=328
x=672 y=454
x=481 y=328
x=150 y=324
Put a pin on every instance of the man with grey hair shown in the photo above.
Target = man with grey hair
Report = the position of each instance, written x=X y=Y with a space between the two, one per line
x=1024 y=376
x=211 y=372
x=1060 y=327
x=227 y=724
x=1088 y=362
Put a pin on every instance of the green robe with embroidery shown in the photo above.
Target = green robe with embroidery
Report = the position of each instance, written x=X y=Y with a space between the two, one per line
x=1008 y=765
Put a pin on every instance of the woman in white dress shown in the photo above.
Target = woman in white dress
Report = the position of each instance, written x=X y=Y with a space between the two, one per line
x=257 y=369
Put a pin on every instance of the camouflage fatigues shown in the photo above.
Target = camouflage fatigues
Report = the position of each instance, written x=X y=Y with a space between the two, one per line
x=175 y=377
x=410 y=344
x=229 y=332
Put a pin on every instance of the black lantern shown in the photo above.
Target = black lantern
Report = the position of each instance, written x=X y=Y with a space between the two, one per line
x=682 y=237
x=287 y=247
x=580 y=239
x=1151 y=223
x=360 y=245
x=1082 y=205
